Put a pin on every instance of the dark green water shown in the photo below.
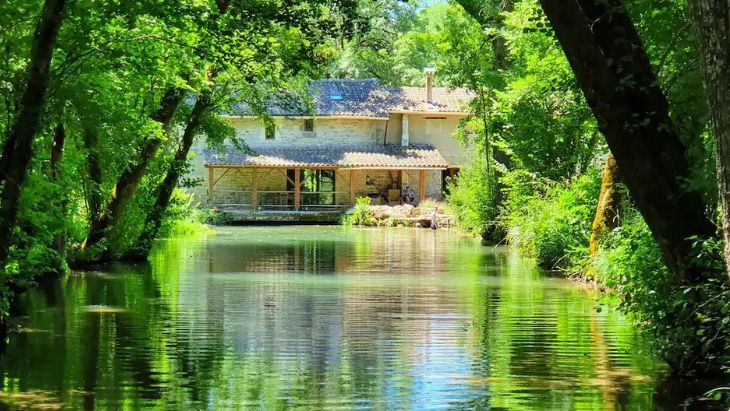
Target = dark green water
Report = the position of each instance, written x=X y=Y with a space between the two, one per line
x=325 y=317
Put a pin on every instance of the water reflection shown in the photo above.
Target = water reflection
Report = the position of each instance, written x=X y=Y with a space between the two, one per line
x=324 y=317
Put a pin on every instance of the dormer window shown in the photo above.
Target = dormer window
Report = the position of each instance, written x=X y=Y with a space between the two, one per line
x=335 y=96
x=269 y=130
x=309 y=124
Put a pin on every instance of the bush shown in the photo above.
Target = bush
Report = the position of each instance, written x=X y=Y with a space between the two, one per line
x=472 y=198
x=689 y=323
x=550 y=221
x=362 y=214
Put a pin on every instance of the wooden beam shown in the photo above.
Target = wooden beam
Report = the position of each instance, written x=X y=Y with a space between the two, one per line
x=254 y=190
x=221 y=176
x=297 y=188
x=239 y=170
x=421 y=185
x=211 y=184
x=268 y=173
x=352 y=186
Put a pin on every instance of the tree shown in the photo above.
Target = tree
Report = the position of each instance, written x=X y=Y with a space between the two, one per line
x=18 y=149
x=615 y=75
x=712 y=27
x=154 y=218
x=129 y=180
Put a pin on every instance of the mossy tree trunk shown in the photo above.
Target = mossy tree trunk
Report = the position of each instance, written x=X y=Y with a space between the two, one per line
x=711 y=20
x=614 y=72
x=177 y=167
x=130 y=179
x=609 y=202
x=128 y=182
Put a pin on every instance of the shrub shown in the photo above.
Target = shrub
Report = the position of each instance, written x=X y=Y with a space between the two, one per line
x=362 y=214
x=689 y=323
x=214 y=216
x=550 y=221
x=472 y=198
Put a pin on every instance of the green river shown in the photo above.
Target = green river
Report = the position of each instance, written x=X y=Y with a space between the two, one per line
x=319 y=317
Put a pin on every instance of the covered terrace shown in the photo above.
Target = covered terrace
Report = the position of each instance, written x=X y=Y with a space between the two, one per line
x=299 y=178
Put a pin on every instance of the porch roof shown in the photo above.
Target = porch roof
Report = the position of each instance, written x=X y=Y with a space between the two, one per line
x=423 y=156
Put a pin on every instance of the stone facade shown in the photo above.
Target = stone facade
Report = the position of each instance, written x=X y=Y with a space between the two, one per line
x=234 y=188
x=325 y=131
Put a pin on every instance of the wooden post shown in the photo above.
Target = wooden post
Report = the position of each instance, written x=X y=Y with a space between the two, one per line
x=421 y=185
x=297 y=189
x=211 y=184
x=352 y=187
x=254 y=190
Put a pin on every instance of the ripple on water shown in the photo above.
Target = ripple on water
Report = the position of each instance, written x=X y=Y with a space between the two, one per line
x=327 y=317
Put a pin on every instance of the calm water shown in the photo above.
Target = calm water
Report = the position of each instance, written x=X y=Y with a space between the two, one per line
x=325 y=317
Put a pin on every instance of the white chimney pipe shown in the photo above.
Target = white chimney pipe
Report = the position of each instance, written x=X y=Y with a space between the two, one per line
x=429 y=71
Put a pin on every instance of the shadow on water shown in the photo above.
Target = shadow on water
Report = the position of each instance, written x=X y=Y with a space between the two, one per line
x=324 y=317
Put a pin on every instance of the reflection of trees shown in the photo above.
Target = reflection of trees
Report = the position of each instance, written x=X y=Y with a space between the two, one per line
x=551 y=349
x=401 y=317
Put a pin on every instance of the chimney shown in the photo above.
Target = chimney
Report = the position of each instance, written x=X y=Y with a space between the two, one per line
x=429 y=83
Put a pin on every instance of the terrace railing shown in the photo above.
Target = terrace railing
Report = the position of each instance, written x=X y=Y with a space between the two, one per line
x=280 y=200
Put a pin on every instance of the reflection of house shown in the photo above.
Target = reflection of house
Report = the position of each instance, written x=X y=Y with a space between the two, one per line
x=364 y=139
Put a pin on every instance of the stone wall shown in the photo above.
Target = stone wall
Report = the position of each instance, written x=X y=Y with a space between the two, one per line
x=234 y=186
x=438 y=131
x=384 y=179
x=326 y=131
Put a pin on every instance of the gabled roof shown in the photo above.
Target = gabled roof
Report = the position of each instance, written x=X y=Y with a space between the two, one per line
x=344 y=156
x=367 y=98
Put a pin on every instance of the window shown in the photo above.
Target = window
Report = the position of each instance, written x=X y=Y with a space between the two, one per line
x=318 y=187
x=269 y=130
x=309 y=124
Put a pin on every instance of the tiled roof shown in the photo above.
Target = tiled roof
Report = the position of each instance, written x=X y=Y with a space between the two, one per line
x=366 y=97
x=345 y=156
x=442 y=99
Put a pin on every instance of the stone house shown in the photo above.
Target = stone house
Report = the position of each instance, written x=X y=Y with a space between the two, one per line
x=392 y=144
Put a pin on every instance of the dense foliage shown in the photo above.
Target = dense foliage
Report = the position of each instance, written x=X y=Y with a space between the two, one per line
x=127 y=89
x=539 y=155
x=91 y=94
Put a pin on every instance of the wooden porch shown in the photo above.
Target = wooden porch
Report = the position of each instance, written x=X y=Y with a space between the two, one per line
x=270 y=190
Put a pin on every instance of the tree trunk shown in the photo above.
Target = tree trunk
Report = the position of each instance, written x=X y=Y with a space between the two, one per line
x=614 y=72
x=711 y=20
x=94 y=169
x=27 y=122
x=129 y=180
x=177 y=167
x=59 y=140
x=8 y=147
x=609 y=200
